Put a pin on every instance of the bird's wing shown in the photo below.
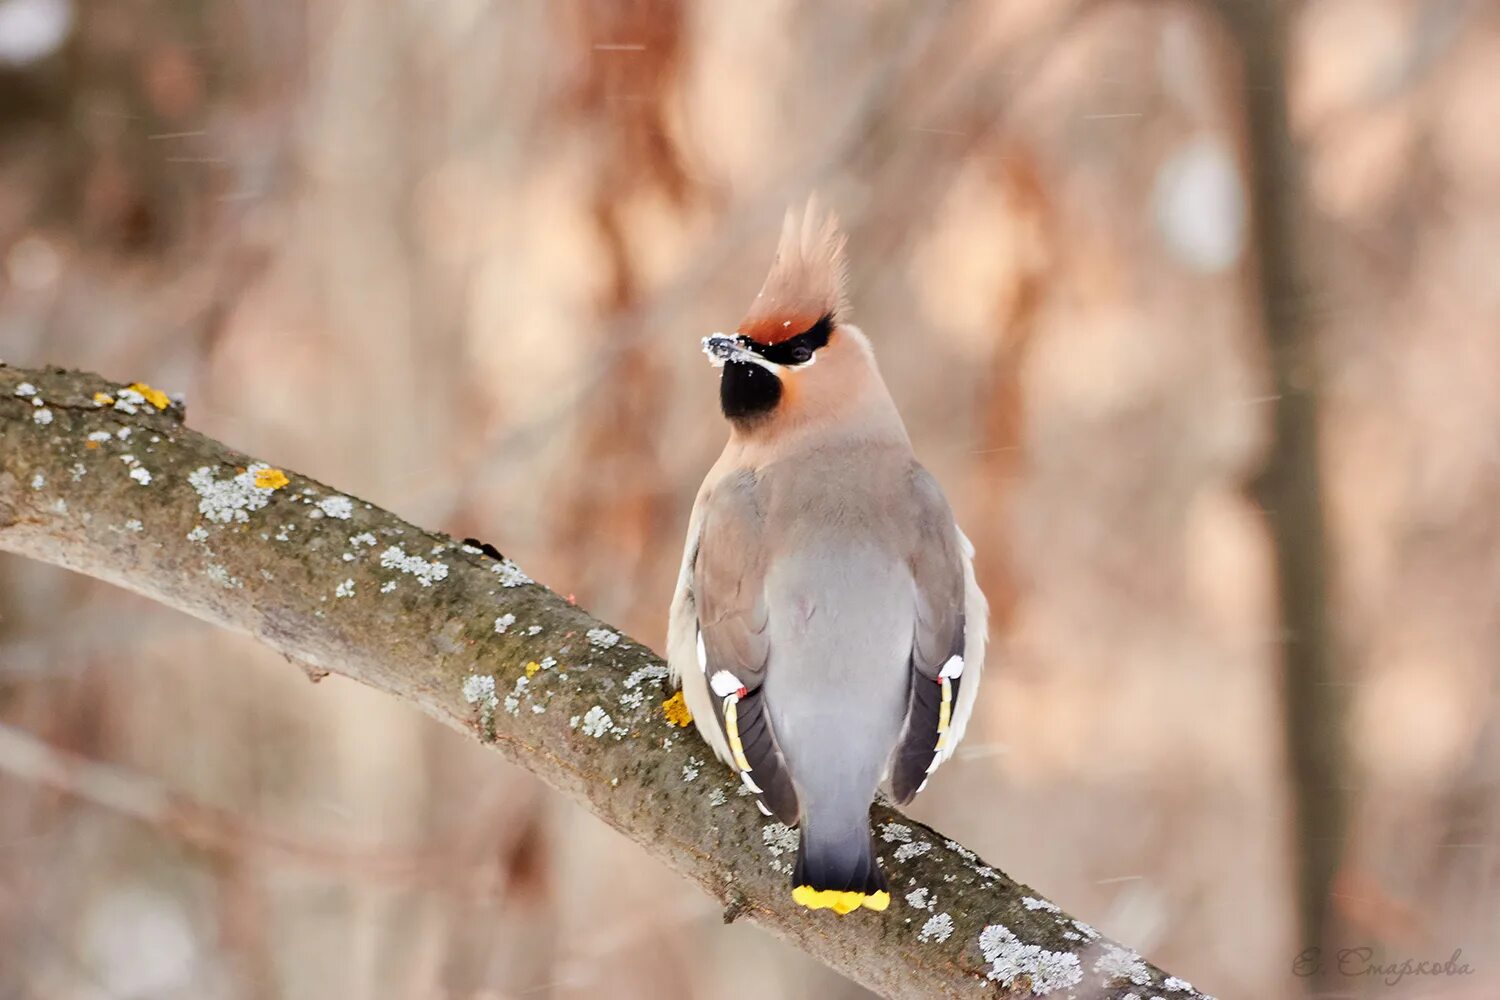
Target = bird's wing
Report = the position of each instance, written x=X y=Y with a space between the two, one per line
x=938 y=568
x=734 y=651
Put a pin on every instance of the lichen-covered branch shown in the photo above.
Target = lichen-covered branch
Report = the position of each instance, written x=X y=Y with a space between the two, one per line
x=104 y=479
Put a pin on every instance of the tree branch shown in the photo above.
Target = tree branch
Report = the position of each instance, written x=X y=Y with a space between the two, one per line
x=97 y=478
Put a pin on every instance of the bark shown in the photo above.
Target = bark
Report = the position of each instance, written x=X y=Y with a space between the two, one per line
x=139 y=500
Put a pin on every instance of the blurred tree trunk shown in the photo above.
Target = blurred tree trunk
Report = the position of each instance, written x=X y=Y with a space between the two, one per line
x=1289 y=486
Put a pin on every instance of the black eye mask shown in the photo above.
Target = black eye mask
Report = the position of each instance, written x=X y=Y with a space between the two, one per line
x=796 y=350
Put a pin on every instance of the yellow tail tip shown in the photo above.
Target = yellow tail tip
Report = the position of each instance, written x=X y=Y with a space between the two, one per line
x=838 y=901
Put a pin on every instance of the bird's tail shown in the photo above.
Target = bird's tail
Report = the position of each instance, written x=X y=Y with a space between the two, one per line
x=836 y=870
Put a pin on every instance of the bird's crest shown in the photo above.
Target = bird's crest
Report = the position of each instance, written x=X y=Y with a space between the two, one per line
x=806 y=281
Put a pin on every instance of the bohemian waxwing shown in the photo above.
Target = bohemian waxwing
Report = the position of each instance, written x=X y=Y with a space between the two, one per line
x=827 y=630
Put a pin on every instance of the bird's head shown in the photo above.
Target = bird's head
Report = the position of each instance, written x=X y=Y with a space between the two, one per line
x=794 y=358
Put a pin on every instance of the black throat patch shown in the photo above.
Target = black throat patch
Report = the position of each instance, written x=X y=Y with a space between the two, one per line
x=747 y=391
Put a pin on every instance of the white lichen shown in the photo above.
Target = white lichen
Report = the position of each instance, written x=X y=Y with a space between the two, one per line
x=198 y=534
x=225 y=501
x=363 y=538
x=134 y=526
x=960 y=850
x=388 y=586
x=42 y=416
x=716 y=797
x=99 y=437
x=38 y=481
x=893 y=833
x=345 y=589
x=779 y=839
x=691 y=769
x=218 y=574
x=510 y=574
x=427 y=573
x=512 y=704
x=1177 y=985
x=340 y=507
x=141 y=476
x=504 y=622
x=633 y=699
x=908 y=851
x=603 y=638
x=1032 y=903
x=479 y=689
x=25 y=389
x=939 y=927
x=79 y=471
x=1010 y=959
x=917 y=899
x=596 y=722
x=128 y=400
x=656 y=673
x=533 y=630
x=1115 y=962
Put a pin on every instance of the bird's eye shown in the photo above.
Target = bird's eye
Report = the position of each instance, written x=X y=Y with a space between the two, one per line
x=801 y=354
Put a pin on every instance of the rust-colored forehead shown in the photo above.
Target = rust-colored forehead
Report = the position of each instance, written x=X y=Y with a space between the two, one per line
x=774 y=327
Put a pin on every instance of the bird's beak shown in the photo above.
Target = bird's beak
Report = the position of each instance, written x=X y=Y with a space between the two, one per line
x=723 y=347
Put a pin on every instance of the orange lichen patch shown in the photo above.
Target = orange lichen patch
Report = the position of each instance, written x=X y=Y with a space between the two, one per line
x=104 y=399
x=91 y=445
x=676 y=710
x=532 y=668
x=270 y=479
x=155 y=397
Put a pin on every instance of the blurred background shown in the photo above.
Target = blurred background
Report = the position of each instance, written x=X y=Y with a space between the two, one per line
x=1191 y=305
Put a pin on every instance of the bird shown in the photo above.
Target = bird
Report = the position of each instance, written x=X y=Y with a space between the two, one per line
x=826 y=629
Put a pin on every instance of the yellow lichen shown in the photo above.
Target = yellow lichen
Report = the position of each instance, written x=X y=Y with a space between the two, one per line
x=104 y=399
x=270 y=479
x=155 y=397
x=532 y=668
x=676 y=710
